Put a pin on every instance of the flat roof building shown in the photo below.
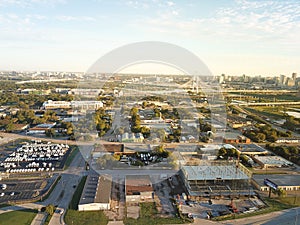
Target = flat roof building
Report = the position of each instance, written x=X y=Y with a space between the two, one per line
x=250 y=149
x=272 y=161
x=96 y=194
x=231 y=138
x=138 y=188
x=287 y=182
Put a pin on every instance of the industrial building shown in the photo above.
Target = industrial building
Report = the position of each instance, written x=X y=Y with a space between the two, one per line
x=96 y=194
x=216 y=178
x=272 y=161
x=138 y=188
x=283 y=181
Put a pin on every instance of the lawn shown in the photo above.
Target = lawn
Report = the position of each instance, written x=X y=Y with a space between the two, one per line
x=74 y=217
x=22 y=217
x=77 y=194
x=267 y=111
x=74 y=150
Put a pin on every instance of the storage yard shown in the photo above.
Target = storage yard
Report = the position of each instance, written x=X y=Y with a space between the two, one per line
x=34 y=157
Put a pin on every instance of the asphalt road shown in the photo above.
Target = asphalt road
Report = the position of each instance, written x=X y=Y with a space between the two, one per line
x=285 y=217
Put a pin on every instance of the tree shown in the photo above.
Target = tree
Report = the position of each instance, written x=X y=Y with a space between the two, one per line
x=50 y=209
x=88 y=138
x=50 y=132
x=145 y=131
x=9 y=127
x=134 y=111
x=261 y=137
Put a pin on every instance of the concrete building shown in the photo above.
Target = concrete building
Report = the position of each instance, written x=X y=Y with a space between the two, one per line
x=138 y=188
x=96 y=194
x=56 y=105
x=77 y=105
x=86 y=105
x=284 y=181
x=90 y=92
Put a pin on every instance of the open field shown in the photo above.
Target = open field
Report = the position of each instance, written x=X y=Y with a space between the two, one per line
x=270 y=112
x=83 y=218
x=149 y=216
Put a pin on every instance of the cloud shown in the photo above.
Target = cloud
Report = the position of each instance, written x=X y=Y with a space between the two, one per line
x=29 y=3
x=170 y=3
x=66 y=18
x=244 y=21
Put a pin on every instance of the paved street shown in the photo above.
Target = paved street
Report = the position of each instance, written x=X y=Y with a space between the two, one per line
x=286 y=217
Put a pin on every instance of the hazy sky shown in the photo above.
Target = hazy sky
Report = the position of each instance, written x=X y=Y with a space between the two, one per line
x=231 y=36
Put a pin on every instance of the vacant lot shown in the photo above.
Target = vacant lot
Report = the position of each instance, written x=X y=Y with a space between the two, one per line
x=85 y=218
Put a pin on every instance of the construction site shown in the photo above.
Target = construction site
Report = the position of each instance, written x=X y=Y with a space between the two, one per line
x=216 y=179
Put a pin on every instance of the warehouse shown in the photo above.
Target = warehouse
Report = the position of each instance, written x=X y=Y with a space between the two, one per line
x=96 y=194
x=283 y=181
x=272 y=161
x=138 y=188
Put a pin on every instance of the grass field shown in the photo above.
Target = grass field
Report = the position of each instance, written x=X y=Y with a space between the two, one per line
x=74 y=217
x=23 y=217
x=148 y=216
x=71 y=156
x=270 y=112
x=76 y=197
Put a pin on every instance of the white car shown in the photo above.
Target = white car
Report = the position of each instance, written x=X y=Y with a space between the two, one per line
x=61 y=211
x=12 y=194
x=2 y=194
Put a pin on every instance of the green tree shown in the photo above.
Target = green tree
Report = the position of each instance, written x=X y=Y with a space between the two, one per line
x=50 y=209
x=50 y=132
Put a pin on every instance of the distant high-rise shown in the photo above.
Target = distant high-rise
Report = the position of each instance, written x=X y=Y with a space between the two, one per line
x=282 y=79
x=294 y=76
x=222 y=78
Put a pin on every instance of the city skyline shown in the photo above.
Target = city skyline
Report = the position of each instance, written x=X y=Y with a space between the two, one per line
x=232 y=37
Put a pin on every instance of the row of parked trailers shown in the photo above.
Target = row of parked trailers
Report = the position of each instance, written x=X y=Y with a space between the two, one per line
x=30 y=170
x=34 y=157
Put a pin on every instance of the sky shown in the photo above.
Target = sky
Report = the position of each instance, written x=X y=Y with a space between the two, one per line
x=233 y=37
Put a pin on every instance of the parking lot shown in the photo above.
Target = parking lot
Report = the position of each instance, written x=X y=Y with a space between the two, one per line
x=29 y=157
x=23 y=190
x=219 y=207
